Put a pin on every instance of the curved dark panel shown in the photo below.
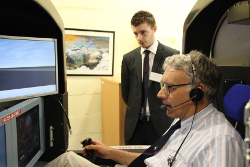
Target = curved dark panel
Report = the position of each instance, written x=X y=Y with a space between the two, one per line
x=201 y=23
x=231 y=44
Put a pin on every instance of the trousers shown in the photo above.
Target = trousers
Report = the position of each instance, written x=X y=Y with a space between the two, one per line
x=70 y=159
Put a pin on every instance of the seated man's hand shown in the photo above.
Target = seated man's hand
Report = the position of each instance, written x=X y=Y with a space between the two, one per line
x=100 y=150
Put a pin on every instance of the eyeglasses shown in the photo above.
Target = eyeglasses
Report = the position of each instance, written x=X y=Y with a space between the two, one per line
x=170 y=88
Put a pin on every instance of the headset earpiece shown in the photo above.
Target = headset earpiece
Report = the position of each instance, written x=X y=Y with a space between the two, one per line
x=196 y=94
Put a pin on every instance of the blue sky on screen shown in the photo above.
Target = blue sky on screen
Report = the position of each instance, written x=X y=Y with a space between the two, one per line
x=26 y=53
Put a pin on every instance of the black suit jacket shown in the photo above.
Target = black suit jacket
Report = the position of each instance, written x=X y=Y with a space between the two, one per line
x=131 y=82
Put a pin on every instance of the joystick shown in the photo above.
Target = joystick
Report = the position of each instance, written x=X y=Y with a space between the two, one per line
x=90 y=153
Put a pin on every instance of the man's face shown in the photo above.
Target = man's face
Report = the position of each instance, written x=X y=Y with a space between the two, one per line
x=178 y=94
x=144 y=34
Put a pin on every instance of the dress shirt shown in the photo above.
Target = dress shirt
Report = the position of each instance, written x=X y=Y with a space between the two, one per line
x=212 y=142
x=153 y=50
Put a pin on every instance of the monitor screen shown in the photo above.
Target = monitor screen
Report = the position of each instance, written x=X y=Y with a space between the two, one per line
x=28 y=67
x=6 y=155
x=3 y=153
x=27 y=134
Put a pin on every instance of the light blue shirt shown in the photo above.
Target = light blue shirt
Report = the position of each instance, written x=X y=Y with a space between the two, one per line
x=212 y=142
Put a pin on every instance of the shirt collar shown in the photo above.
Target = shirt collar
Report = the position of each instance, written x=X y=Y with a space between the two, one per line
x=198 y=116
x=152 y=48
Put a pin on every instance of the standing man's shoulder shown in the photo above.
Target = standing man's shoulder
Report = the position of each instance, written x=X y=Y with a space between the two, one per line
x=168 y=50
x=133 y=52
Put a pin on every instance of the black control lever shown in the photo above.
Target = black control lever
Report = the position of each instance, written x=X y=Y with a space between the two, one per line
x=90 y=153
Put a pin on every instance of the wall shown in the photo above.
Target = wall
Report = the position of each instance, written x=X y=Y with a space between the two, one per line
x=112 y=15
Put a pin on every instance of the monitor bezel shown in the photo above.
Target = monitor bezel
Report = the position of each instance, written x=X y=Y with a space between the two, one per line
x=24 y=107
x=56 y=68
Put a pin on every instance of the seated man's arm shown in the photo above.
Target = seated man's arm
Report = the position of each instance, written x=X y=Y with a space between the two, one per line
x=106 y=152
x=224 y=151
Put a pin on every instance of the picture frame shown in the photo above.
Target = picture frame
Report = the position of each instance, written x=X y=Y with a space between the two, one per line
x=89 y=52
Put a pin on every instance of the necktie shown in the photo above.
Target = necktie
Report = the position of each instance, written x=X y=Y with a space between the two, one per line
x=145 y=84
x=154 y=148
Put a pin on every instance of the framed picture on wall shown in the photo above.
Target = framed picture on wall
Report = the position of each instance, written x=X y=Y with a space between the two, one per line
x=89 y=52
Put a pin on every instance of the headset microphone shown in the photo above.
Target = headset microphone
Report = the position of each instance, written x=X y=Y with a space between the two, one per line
x=196 y=95
x=165 y=106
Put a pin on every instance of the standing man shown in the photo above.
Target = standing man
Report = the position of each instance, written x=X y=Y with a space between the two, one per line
x=145 y=121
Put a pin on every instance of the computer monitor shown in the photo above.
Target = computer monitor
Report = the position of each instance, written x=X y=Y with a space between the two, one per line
x=27 y=134
x=28 y=67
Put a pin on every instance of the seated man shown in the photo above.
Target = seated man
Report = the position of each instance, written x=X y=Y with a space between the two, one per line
x=203 y=136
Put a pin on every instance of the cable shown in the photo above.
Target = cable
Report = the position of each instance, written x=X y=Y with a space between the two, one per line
x=171 y=160
x=66 y=115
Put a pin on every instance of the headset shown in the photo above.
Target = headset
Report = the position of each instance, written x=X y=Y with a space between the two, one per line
x=195 y=94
